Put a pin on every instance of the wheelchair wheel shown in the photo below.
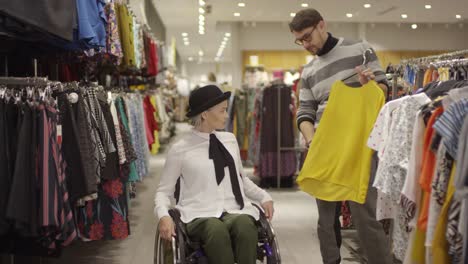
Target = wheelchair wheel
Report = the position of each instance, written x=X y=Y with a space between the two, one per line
x=275 y=257
x=169 y=252
x=271 y=248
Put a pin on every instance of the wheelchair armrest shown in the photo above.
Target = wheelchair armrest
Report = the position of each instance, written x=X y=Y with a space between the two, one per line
x=264 y=228
x=180 y=227
x=260 y=210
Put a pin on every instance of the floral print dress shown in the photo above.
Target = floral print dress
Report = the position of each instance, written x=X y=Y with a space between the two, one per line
x=107 y=217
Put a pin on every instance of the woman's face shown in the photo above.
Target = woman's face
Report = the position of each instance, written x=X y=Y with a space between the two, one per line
x=215 y=117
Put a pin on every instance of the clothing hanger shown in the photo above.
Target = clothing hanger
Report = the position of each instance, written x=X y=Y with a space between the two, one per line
x=364 y=63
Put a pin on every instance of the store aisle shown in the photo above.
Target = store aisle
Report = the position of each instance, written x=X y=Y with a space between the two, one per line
x=295 y=223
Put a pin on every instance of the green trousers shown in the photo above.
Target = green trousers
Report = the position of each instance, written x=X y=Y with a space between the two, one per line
x=232 y=238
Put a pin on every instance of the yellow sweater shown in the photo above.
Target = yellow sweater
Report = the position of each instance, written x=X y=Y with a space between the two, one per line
x=337 y=167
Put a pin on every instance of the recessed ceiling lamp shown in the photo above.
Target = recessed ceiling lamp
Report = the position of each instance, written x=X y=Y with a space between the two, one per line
x=201 y=17
x=201 y=2
x=428 y=6
x=237 y=14
x=190 y=58
x=184 y=34
x=349 y=15
x=227 y=34
x=367 y=5
x=187 y=43
x=201 y=10
x=404 y=16
x=305 y=5
x=414 y=26
x=458 y=16
x=292 y=14
x=200 y=53
x=241 y=4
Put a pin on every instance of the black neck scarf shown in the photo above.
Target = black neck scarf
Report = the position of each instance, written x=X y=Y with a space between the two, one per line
x=222 y=158
x=328 y=46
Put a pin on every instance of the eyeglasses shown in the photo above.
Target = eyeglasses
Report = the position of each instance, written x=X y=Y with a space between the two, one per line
x=307 y=38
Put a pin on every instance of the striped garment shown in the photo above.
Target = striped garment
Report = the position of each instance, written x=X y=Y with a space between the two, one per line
x=55 y=212
x=319 y=75
x=449 y=125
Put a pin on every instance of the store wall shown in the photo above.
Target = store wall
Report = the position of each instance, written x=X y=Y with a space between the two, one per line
x=294 y=59
x=198 y=72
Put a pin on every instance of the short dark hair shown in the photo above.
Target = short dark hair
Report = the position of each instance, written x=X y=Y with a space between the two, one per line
x=304 y=19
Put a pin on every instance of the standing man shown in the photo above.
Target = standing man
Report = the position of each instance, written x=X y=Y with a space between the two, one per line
x=336 y=59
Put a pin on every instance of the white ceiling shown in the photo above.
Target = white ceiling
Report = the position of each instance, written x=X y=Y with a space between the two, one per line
x=182 y=16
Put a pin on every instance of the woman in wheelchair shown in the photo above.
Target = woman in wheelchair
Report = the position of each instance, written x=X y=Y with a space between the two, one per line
x=214 y=199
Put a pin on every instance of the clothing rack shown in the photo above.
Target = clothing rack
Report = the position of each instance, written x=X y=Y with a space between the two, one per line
x=24 y=80
x=440 y=60
x=278 y=142
x=428 y=59
x=452 y=62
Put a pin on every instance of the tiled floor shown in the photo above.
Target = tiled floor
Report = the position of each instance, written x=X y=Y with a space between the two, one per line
x=294 y=222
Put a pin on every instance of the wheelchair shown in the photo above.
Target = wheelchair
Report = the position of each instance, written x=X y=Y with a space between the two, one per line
x=183 y=250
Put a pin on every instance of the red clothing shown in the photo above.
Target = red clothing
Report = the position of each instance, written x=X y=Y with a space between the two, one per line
x=150 y=123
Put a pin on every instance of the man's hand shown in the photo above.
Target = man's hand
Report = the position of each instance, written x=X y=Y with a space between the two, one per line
x=269 y=210
x=365 y=75
x=308 y=131
x=166 y=228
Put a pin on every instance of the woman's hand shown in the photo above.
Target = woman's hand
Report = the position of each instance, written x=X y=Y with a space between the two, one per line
x=269 y=210
x=166 y=228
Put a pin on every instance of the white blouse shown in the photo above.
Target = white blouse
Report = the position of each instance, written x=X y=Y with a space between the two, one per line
x=200 y=195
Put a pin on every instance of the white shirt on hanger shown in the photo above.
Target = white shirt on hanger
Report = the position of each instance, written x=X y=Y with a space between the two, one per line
x=200 y=195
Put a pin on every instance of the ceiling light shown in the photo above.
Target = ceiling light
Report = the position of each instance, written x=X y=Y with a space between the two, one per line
x=292 y=14
x=201 y=17
x=184 y=34
x=227 y=34
x=241 y=4
x=237 y=14
x=414 y=26
x=404 y=16
x=367 y=5
x=200 y=53
x=201 y=10
x=201 y=2
x=201 y=32
x=349 y=15
x=201 y=23
x=226 y=38
x=428 y=6
x=458 y=16
x=200 y=27
x=190 y=58
x=186 y=39
x=305 y=5
x=187 y=43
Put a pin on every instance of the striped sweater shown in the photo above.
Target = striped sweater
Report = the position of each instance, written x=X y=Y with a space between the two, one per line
x=319 y=75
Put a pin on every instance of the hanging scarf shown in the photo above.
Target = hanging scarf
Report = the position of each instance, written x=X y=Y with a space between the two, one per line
x=222 y=158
